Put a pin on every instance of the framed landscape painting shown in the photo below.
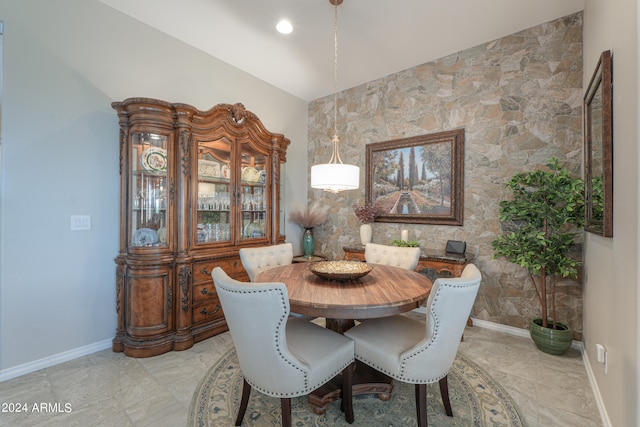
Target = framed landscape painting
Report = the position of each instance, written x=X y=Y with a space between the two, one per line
x=417 y=179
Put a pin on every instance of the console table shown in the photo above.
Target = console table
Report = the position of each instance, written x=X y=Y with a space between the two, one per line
x=313 y=258
x=441 y=262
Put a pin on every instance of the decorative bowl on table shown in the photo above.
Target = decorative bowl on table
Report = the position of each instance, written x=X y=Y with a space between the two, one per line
x=340 y=270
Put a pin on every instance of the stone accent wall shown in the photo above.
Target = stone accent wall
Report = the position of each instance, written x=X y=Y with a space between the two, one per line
x=519 y=99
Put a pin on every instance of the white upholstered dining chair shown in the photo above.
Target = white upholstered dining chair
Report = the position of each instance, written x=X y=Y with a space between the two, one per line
x=256 y=260
x=394 y=256
x=279 y=355
x=410 y=351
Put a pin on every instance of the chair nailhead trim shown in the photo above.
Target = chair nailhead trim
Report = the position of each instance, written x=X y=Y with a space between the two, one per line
x=401 y=376
x=307 y=386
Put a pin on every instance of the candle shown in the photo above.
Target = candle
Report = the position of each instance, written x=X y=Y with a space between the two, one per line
x=405 y=235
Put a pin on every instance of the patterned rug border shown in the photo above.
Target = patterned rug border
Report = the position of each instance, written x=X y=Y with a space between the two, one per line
x=202 y=395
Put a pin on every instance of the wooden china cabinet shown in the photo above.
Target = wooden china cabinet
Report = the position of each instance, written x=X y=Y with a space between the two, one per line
x=196 y=186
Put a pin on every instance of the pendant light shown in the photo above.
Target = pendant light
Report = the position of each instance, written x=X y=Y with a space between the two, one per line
x=335 y=176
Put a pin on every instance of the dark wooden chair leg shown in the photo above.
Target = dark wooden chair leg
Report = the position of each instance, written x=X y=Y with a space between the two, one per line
x=421 y=404
x=285 y=407
x=346 y=405
x=246 y=391
x=444 y=392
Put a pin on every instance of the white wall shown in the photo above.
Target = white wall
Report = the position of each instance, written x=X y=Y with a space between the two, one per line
x=611 y=265
x=64 y=63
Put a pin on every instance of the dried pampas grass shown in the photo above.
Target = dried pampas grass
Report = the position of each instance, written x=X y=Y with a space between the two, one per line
x=309 y=216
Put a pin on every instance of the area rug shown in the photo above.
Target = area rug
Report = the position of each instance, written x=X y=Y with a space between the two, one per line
x=476 y=400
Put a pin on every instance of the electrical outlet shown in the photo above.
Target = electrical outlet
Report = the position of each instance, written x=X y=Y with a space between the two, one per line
x=601 y=354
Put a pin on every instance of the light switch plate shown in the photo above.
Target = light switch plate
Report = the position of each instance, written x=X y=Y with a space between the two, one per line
x=80 y=222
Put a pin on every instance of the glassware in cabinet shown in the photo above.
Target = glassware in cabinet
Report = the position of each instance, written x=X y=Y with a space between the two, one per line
x=148 y=190
x=254 y=194
x=214 y=205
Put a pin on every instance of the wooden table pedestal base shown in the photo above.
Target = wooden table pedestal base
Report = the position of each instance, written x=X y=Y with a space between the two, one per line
x=339 y=325
x=366 y=380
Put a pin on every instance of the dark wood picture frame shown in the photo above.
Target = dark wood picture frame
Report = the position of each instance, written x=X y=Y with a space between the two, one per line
x=417 y=180
x=598 y=149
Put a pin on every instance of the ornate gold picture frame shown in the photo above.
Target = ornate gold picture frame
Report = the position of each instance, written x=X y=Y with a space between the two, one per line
x=417 y=180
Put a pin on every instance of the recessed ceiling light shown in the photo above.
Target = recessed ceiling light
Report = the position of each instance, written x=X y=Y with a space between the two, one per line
x=284 y=27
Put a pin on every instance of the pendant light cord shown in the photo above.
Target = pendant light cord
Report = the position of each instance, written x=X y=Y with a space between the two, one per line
x=335 y=176
x=335 y=70
x=335 y=156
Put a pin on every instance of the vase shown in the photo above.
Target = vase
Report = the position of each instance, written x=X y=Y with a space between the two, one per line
x=548 y=340
x=366 y=232
x=308 y=243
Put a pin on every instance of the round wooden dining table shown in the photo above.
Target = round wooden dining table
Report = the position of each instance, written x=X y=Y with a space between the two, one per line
x=385 y=291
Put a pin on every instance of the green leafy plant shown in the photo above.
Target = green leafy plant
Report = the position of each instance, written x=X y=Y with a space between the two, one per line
x=402 y=243
x=544 y=216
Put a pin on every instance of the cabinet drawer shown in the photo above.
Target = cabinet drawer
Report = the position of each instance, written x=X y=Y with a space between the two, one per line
x=204 y=292
x=207 y=312
x=232 y=266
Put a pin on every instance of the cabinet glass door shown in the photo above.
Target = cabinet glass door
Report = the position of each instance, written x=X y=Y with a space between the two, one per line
x=254 y=194
x=148 y=191
x=215 y=198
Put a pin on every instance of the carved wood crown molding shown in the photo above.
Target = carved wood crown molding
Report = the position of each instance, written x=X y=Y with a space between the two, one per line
x=238 y=113
x=133 y=110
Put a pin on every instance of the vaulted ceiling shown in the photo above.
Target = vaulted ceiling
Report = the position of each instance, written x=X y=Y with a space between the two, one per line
x=375 y=37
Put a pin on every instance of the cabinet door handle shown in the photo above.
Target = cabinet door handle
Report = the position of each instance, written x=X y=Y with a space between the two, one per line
x=205 y=271
x=205 y=312
x=204 y=291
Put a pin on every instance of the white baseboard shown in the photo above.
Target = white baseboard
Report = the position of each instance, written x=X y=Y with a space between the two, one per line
x=604 y=416
x=511 y=330
x=500 y=328
x=606 y=422
x=36 y=365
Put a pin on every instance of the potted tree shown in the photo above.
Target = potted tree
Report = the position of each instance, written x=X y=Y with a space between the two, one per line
x=543 y=220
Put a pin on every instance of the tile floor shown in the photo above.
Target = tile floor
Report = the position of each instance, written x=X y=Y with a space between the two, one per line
x=110 y=389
